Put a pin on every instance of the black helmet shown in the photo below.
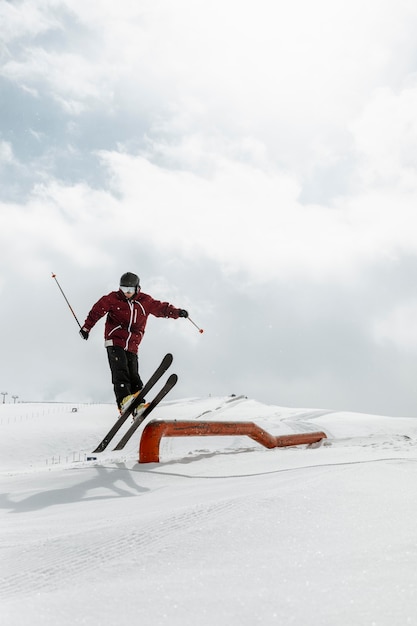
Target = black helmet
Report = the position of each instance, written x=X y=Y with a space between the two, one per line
x=129 y=280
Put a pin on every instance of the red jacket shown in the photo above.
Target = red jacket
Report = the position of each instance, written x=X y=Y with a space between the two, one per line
x=126 y=318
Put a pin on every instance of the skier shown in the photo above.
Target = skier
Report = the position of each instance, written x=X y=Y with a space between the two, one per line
x=127 y=313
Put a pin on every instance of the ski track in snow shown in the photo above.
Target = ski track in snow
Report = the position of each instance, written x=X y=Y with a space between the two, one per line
x=57 y=562
x=300 y=422
x=220 y=408
x=72 y=528
x=63 y=559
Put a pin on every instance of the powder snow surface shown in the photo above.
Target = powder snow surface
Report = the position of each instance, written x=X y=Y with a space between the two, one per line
x=221 y=531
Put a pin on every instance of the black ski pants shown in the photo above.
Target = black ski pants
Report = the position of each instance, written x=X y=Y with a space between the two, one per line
x=124 y=372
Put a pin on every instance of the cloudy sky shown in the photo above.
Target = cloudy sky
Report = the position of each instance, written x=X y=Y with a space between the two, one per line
x=253 y=161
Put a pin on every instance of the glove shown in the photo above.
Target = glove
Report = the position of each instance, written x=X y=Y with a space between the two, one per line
x=84 y=333
x=183 y=313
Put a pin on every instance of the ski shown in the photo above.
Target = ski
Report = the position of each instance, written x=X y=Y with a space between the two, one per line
x=160 y=371
x=172 y=380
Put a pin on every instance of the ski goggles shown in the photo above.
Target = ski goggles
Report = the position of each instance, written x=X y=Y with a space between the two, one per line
x=127 y=289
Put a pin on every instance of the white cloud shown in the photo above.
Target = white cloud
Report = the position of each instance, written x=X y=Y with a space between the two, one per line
x=56 y=222
x=30 y=18
x=230 y=144
x=386 y=138
x=6 y=153
x=71 y=80
x=245 y=217
x=398 y=327
x=250 y=218
x=291 y=75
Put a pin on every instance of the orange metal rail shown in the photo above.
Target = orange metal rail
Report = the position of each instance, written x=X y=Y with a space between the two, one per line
x=154 y=431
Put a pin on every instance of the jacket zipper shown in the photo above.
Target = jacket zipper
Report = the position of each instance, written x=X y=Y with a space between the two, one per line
x=132 y=310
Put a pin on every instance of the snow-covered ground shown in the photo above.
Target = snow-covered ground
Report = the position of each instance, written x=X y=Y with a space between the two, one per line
x=220 y=532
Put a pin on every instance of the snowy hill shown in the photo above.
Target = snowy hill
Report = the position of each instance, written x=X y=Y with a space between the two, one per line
x=220 y=531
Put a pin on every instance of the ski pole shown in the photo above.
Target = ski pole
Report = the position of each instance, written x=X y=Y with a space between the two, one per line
x=200 y=330
x=66 y=300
